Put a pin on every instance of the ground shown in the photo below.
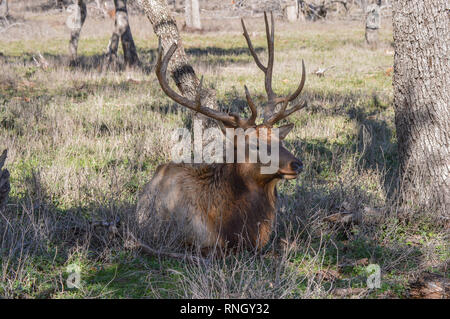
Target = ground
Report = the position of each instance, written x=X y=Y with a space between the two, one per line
x=82 y=143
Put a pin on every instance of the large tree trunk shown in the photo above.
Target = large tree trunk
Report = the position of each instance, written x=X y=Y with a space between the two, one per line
x=121 y=30
x=165 y=27
x=75 y=22
x=192 y=14
x=421 y=98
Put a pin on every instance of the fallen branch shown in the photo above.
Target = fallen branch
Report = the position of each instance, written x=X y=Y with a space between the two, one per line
x=10 y=26
x=113 y=228
x=158 y=253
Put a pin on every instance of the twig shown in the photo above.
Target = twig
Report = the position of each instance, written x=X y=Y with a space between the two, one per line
x=153 y=252
x=10 y=26
x=113 y=229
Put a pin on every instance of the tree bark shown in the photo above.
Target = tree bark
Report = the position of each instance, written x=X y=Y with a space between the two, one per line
x=101 y=8
x=165 y=27
x=290 y=12
x=122 y=31
x=421 y=98
x=75 y=22
x=373 y=22
x=192 y=15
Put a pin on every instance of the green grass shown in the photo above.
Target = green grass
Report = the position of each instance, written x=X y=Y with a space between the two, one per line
x=82 y=144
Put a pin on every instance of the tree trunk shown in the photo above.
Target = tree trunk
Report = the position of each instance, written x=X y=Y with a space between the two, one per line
x=196 y=23
x=165 y=27
x=421 y=98
x=4 y=181
x=75 y=22
x=192 y=15
x=121 y=30
x=290 y=13
x=188 y=13
x=4 y=8
x=373 y=23
x=101 y=8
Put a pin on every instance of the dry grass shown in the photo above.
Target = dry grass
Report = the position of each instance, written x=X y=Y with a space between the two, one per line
x=82 y=144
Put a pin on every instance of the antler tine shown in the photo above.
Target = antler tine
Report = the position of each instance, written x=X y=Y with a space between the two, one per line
x=283 y=113
x=252 y=50
x=161 y=70
x=251 y=121
x=270 y=47
x=246 y=123
x=293 y=109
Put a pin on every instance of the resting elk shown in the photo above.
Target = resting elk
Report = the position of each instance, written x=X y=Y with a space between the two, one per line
x=224 y=204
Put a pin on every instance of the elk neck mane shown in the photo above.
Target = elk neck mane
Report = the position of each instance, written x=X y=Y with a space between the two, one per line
x=226 y=177
x=240 y=203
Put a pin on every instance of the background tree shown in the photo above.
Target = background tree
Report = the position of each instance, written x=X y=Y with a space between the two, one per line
x=421 y=98
x=192 y=14
x=4 y=8
x=4 y=181
x=373 y=22
x=122 y=31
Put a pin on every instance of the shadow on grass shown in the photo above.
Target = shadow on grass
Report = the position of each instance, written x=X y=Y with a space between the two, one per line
x=374 y=144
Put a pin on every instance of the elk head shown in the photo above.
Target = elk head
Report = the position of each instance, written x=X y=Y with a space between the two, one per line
x=288 y=165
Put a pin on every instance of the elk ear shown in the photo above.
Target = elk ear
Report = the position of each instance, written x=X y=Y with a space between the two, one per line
x=284 y=130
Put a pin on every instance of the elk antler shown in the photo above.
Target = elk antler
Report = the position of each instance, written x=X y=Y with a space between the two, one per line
x=231 y=120
x=273 y=100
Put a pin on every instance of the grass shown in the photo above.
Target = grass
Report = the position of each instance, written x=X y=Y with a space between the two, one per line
x=81 y=144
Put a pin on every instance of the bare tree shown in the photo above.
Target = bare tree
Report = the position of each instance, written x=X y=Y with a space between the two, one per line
x=122 y=31
x=290 y=10
x=422 y=99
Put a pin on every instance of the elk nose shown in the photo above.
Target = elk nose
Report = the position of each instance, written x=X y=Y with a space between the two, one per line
x=296 y=166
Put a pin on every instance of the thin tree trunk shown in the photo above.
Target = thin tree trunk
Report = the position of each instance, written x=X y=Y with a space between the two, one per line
x=75 y=22
x=101 y=8
x=188 y=13
x=121 y=30
x=4 y=8
x=422 y=103
x=196 y=22
x=4 y=181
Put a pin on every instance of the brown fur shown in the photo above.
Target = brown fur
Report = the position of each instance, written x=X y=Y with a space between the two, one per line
x=217 y=204
x=233 y=209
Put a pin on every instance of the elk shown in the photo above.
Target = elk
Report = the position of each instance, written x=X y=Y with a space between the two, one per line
x=225 y=205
